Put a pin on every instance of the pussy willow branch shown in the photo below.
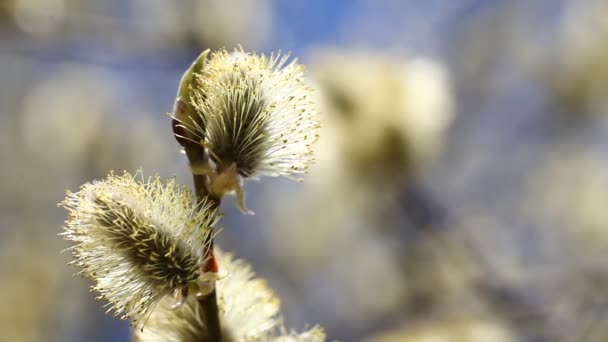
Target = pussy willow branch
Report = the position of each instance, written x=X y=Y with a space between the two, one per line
x=208 y=303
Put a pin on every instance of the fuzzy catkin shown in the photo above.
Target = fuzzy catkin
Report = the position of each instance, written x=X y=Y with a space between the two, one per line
x=162 y=260
x=249 y=311
x=254 y=111
x=138 y=241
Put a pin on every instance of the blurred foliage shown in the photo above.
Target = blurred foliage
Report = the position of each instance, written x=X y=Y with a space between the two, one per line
x=460 y=186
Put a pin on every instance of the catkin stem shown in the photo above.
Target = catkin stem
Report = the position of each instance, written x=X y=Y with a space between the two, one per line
x=208 y=304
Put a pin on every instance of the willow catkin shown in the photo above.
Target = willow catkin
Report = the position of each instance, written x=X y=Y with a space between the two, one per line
x=252 y=115
x=249 y=311
x=138 y=241
x=254 y=111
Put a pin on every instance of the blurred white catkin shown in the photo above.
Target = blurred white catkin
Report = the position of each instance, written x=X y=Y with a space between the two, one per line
x=249 y=311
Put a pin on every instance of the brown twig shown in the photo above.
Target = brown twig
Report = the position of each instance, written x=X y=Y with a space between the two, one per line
x=208 y=303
